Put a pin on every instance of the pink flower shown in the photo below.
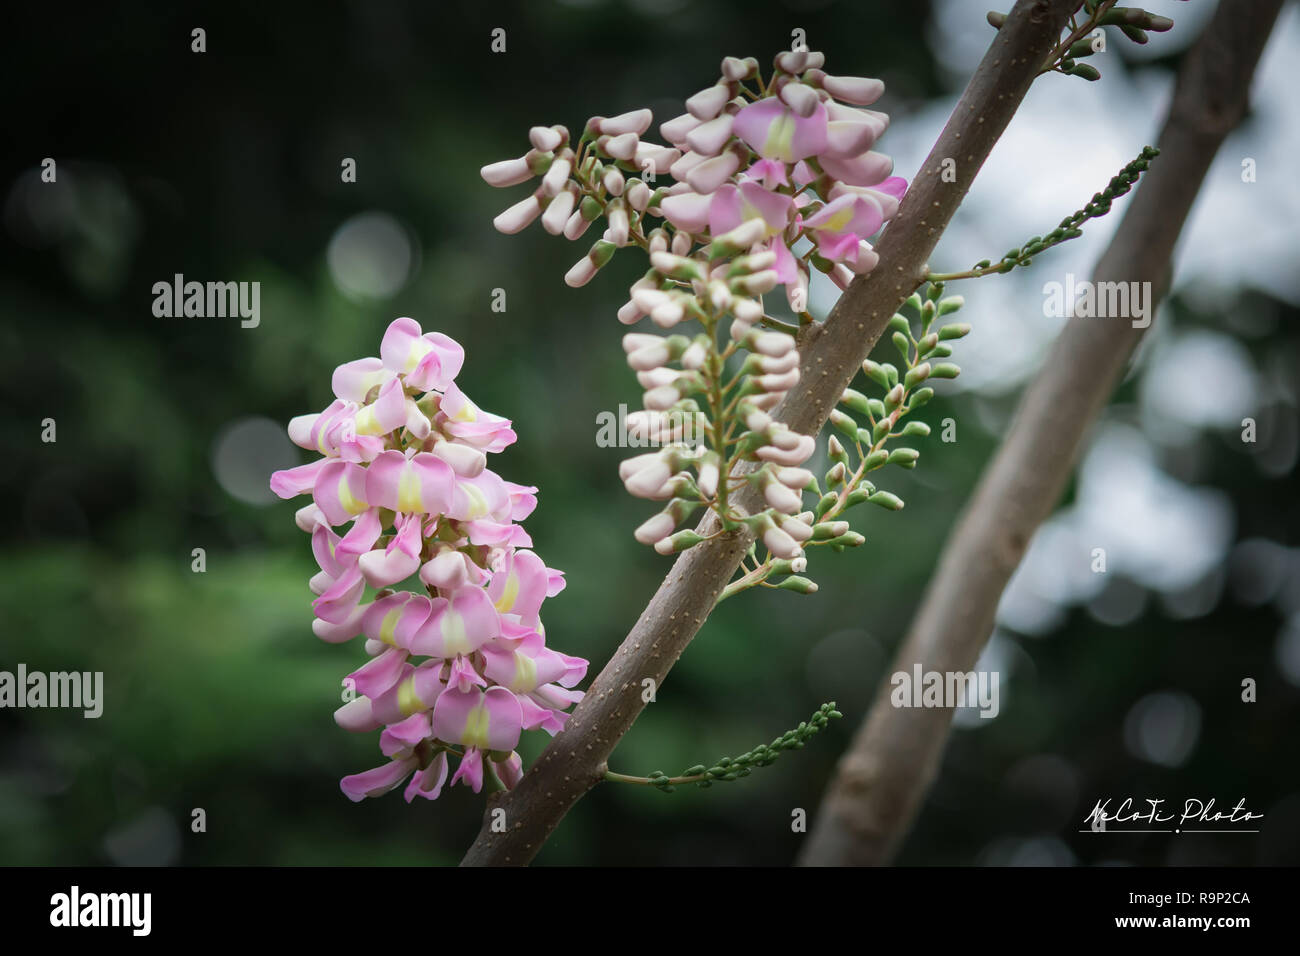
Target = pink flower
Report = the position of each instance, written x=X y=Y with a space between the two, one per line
x=426 y=362
x=406 y=473
x=733 y=205
x=775 y=131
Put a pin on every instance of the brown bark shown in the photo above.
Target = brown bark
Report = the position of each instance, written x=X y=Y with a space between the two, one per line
x=831 y=354
x=883 y=777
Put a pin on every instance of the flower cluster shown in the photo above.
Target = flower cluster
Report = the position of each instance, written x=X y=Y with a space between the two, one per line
x=774 y=176
x=404 y=464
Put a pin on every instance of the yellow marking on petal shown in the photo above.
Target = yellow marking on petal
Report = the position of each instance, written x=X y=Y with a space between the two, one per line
x=748 y=212
x=509 y=594
x=388 y=627
x=525 y=673
x=408 y=490
x=350 y=502
x=407 y=701
x=468 y=412
x=476 y=726
x=839 y=220
x=478 y=505
x=367 y=422
x=454 y=637
x=780 y=138
x=419 y=349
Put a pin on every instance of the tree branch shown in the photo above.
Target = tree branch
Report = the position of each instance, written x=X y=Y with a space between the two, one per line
x=831 y=354
x=895 y=755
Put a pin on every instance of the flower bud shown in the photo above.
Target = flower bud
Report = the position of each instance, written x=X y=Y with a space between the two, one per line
x=576 y=226
x=802 y=99
x=556 y=176
x=707 y=104
x=621 y=147
x=781 y=544
x=675 y=130
x=708 y=139
x=518 y=216
x=709 y=473
x=678 y=542
x=857 y=90
x=545 y=138
x=558 y=211
x=507 y=172
x=634 y=121
x=655 y=529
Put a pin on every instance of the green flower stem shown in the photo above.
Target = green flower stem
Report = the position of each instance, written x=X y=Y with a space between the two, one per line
x=733 y=768
x=1069 y=228
x=612 y=777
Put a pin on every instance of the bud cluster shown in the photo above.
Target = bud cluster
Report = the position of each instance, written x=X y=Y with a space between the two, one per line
x=861 y=428
x=773 y=176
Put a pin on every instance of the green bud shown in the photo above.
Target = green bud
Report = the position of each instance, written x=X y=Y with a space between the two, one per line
x=1084 y=70
x=877 y=408
x=886 y=500
x=836 y=451
x=903 y=456
x=856 y=402
x=876 y=373
x=899 y=323
x=892 y=373
x=602 y=252
x=956 y=330
x=844 y=424
x=945 y=370
x=850 y=539
x=920 y=429
x=914 y=301
x=903 y=345
x=678 y=267
x=920 y=397
x=1136 y=34
x=680 y=542
x=858 y=495
x=782 y=566
x=589 y=208
x=882 y=429
x=824 y=505
x=829 y=529
x=951 y=304
x=798 y=585
x=916 y=375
